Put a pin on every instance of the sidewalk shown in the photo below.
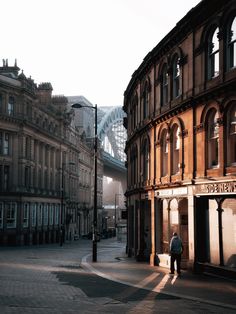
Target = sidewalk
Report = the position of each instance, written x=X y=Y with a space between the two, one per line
x=113 y=264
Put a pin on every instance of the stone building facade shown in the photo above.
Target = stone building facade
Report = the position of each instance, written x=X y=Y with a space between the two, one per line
x=43 y=162
x=181 y=147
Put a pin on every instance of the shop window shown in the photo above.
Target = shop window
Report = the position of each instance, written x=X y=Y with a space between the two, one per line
x=26 y=215
x=164 y=86
x=213 y=55
x=175 y=149
x=11 y=210
x=176 y=77
x=164 y=154
x=231 y=149
x=231 y=45
x=213 y=139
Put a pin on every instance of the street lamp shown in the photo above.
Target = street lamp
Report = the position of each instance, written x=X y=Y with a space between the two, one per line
x=77 y=106
x=62 y=218
x=115 y=208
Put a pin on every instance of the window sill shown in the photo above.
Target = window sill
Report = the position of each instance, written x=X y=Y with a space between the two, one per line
x=230 y=170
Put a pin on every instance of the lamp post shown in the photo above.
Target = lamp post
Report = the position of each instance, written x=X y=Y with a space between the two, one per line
x=62 y=218
x=76 y=106
x=115 y=208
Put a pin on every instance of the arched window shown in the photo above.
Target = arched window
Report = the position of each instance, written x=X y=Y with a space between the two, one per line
x=164 y=86
x=145 y=100
x=213 y=139
x=164 y=154
x=213 y=55
x=176 y=77
x=133 y=112
x=175 y=150
x=231 y=136
x=145 y=154
x=134 y=165
x=231 y=47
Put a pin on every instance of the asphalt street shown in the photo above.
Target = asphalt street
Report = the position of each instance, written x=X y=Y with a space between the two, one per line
x=53 y=279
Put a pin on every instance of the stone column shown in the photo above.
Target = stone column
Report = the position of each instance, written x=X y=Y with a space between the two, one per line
x=153 y=231
x=219 y=201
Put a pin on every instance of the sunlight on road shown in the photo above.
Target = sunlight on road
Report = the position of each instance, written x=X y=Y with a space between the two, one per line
x=148 y=279
x=161 y=284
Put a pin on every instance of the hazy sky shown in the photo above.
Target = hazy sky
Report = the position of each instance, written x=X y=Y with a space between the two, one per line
x=85 y=47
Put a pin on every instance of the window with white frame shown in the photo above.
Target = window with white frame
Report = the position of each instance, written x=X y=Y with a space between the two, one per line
x=175 y=146
x=11 y=210
x=213 y=139
x=231 y=149
x=4 y=143
x=51 y=214
x=40 y=214
x=164 y=86
x=164 y=154
x=45 y=214
x=56 y=214
x=231 y=45
x=10 y=106
x=33 y=214
x=1 y=215
x=26 y=215
x=176 y=77
x=213 y=54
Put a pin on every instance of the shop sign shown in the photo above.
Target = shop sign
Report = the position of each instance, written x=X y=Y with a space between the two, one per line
x=225 y=187
x=171 y=192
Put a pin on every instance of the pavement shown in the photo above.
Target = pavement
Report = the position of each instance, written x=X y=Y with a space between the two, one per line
x=113 y=264
x=51 y=279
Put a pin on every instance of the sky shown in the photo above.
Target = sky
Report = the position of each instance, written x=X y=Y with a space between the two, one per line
x=85 y=47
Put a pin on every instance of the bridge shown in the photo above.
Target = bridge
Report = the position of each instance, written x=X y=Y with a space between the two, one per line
x=111 y=134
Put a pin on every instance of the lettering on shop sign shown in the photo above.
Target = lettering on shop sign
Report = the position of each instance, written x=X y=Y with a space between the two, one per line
x=226 y=187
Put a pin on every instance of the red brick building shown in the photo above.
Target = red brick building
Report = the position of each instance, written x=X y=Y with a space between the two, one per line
x=181 y=146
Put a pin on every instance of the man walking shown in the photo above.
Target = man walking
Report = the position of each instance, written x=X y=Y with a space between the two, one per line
x=176 y=249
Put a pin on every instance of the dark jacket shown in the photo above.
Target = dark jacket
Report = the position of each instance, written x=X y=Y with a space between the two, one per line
x=176 y=245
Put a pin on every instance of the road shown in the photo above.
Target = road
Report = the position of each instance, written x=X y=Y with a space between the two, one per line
x=54 y=279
